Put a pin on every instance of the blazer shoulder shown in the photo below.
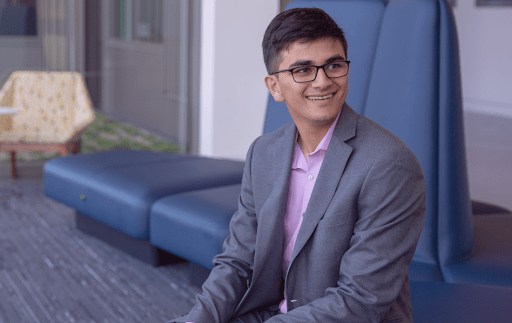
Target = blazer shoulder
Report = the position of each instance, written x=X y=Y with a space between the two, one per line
x=375 y=140
x=269 y=139
x=375 y=135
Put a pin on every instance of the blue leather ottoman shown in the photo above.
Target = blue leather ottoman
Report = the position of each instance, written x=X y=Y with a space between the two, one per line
x=446 y=302
x=117 y=188
x=194 y=225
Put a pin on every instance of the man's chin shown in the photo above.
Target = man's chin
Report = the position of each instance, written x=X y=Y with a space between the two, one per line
x=324 y=121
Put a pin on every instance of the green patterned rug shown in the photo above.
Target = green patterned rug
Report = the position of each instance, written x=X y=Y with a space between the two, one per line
x=105 y=134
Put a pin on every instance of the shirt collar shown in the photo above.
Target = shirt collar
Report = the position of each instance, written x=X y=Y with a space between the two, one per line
x=299 y=161
x=327 y=138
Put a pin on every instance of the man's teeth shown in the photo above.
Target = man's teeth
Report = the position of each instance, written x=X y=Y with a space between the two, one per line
x=320 y=97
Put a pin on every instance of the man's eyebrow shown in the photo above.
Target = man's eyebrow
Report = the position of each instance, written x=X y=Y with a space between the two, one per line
x=308 y=62
x=300 y=63
x=334 y=59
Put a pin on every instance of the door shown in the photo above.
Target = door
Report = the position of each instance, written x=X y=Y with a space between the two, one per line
x=145 y=64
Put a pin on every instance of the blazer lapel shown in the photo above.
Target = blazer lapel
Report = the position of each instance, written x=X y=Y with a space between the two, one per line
x=269 y=240
x=329 y=176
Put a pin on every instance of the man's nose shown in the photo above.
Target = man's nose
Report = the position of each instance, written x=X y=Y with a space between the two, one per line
x=322 y=79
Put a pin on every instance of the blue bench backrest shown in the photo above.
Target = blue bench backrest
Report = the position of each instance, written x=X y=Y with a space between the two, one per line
x=405 y=76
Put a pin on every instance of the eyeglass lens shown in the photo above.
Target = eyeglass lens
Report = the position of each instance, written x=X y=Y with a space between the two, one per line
x=309 y=73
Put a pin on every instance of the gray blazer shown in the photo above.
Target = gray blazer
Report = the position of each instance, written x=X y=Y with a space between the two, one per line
x=354 y=247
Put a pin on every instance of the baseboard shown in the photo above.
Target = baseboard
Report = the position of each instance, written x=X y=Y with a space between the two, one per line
x=139 y=249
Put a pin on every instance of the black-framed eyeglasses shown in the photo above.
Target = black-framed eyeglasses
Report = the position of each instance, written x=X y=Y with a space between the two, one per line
x=308 y=73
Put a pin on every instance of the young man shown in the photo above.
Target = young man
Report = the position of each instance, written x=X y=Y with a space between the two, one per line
x=331 y=207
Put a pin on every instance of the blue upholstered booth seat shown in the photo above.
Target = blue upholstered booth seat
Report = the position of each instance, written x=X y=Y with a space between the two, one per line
x=403 y=97
x=448 y=303
x=118 y=188
x=490 y=262
x=426 y=113
x=194 y=225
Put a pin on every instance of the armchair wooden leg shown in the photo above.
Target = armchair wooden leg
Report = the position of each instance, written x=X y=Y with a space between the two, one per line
x=63 y=150
x=13 y=164
x=76 y=146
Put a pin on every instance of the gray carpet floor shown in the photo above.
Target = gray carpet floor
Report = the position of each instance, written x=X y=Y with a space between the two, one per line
x=50 y=272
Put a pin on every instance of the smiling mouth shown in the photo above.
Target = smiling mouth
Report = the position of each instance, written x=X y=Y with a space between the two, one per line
x=325 y=97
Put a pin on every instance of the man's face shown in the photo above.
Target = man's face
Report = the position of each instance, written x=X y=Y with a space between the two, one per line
x=316 y=103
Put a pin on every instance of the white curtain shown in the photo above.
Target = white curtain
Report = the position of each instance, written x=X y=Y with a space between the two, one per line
x=61 y=22
x=54 y=20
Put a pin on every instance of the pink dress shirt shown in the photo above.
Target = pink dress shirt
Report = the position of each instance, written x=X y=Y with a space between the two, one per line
x=302 y=181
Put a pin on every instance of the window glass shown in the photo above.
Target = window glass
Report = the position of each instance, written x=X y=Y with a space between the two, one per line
x=121 y=18
x=18 y=18
x=137 y=20
x=149 y=24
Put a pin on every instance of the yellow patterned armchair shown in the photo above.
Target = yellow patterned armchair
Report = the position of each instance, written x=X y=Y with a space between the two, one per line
x=52 y=111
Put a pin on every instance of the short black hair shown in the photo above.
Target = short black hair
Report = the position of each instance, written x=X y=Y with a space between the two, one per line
x=299 y=24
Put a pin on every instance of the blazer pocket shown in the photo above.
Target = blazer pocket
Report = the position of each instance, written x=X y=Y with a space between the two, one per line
x=333 y=220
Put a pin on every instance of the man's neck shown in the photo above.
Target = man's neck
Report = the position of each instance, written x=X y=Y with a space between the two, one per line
x=310 y=137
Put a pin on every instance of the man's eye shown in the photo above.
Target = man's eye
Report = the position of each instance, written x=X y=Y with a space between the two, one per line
x=303 y=70
x=334 y=66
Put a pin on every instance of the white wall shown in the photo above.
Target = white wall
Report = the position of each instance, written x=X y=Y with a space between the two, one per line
x=233 y=95
x=485 y=38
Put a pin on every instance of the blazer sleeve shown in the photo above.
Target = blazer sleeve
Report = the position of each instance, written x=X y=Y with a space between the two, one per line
x=373 y=271
x=231 y=276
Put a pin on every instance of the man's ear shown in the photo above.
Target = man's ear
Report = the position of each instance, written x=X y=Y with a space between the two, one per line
x=274 y=87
